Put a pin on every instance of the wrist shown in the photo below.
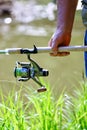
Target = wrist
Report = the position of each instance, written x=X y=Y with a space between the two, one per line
x=63 y=30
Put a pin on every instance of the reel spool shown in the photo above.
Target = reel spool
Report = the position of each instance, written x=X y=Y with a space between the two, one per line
x=30 y=70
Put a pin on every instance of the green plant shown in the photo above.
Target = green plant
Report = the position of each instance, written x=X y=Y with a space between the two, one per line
x=80 y=112
x=41 y=111
x=76 y=109
x=67 y=113
x=12 y=115
x=46 y=113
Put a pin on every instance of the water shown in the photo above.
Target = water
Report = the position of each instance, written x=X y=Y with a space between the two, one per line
x=64 y=72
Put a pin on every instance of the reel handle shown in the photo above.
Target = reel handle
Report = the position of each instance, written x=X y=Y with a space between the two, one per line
x=42 y=89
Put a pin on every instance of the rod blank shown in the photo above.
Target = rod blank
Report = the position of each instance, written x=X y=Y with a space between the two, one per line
x=62 y=49
x=44 y=49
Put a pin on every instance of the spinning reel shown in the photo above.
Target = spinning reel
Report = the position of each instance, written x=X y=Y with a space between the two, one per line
x=30 y=70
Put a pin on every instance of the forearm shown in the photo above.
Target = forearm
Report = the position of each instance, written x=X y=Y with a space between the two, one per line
x=66 y=13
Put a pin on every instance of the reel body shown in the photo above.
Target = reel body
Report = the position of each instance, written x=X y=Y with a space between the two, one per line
x=30 y=70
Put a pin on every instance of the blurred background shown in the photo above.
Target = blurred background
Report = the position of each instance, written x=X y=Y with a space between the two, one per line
x=24 y=23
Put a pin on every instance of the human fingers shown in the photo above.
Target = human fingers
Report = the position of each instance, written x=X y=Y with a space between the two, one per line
x=60 y=53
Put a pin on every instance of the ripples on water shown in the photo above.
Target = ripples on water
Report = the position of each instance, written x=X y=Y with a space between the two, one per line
x=24 y=13
x=31 y=11
x=28 y=12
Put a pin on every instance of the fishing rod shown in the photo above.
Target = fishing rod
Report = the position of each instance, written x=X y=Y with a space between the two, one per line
x=31 y=70
x=37 y=50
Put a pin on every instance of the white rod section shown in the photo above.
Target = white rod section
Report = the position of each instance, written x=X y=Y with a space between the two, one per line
x=62 y=49
x=45 y=49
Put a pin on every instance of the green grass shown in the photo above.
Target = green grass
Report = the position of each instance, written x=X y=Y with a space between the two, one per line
x=46 y=113
x=41 y=111
x=12 y=115
x=79 y=115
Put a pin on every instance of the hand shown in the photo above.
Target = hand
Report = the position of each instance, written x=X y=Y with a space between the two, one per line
x=59 y=38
